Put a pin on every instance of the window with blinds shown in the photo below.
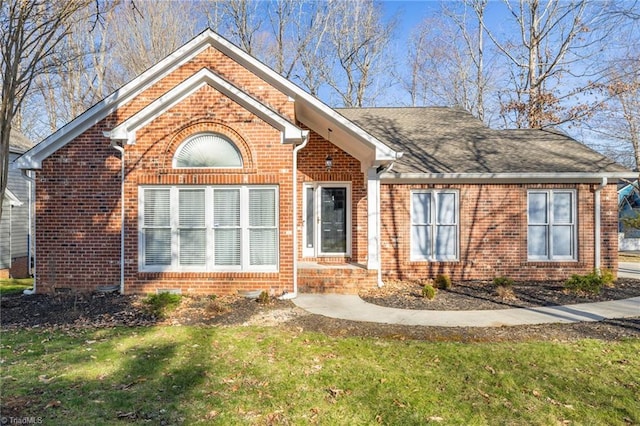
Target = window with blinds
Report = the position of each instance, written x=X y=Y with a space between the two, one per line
x=434 y=225
x=212 y=228
x=551 y=227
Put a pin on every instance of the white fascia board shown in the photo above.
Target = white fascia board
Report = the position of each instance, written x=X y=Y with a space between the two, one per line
x=319 y=119
x=33 y=158
x=476 y=178
x=13 y=200
x=127 y=129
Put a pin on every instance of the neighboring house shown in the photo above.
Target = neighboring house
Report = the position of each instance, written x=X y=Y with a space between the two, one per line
x=629 y=206
x=15 y=235
x=211 y=173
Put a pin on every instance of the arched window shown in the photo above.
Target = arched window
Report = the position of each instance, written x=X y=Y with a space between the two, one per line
x=208 y=150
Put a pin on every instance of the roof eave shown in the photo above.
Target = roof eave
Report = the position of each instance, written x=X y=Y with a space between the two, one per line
x=503 y=178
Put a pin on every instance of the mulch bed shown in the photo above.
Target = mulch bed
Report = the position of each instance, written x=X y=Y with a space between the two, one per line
x=98 y=310
x=482 y=295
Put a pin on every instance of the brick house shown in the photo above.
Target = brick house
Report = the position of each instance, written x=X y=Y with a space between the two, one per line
x=211 y=173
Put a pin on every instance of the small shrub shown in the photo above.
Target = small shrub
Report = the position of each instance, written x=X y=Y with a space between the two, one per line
x=503 y=282
x=429 y=291
x=591 y=283
x=443 y=282
x=159 y=305
x=505 y=292
x=607 y=277
x=588 y=284
x=264 y=298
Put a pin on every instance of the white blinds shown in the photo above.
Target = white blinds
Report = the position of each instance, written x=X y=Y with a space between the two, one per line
x=262 y=224
x=157 y=221
x=434 y=225
x=209 y=228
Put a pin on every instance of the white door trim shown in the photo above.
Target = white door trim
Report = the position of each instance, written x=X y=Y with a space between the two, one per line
x=311 y=238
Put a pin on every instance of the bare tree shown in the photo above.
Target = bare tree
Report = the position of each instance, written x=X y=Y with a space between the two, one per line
x=617 y=124
x=30 y=31
x=77 y=78
x=146 y=33
x=312 y=46
x=358 y=39
x=244 y=20
x=446 y=59
x=555 y=39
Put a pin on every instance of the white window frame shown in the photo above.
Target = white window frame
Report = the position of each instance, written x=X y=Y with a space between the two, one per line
x=551 y=257
x=433 y=225
x=198 y=136
x=209 y=266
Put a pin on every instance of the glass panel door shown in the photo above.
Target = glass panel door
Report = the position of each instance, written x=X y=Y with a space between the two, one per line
x=333 y=220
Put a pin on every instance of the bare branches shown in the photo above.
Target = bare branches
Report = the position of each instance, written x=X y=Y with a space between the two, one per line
x=31 y=30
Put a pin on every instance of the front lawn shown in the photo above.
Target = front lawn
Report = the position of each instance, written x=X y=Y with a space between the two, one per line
x=250 y=375
x=15 y=285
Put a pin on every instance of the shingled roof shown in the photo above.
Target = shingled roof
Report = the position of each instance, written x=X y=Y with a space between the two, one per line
x=18 y=142
x=450 y=140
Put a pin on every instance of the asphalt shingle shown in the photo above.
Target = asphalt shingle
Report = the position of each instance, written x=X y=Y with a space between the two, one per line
x=450 y=140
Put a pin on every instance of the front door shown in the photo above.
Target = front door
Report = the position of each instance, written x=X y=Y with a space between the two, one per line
x=333 y=220
x=326 y=216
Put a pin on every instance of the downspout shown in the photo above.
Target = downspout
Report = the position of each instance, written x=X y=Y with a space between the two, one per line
x=121 y=151
x=379 y=223
x=597 y=226
x=31 y=223
x=305 y=140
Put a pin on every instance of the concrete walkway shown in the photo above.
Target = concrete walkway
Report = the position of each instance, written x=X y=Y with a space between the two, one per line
x=352 y=307
x=629 y=270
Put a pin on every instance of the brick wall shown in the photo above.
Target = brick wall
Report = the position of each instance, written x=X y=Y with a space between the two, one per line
x=78 y=188
x=346 y=168
x=493 y=234
x=78 y=216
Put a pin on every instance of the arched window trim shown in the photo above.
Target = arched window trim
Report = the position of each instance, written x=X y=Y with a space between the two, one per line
x=222 y=138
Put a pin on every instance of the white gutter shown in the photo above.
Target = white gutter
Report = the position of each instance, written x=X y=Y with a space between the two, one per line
x=597 y=225
x=121 y=151
x=305 y=140
x=31 y=223
x=571 y=177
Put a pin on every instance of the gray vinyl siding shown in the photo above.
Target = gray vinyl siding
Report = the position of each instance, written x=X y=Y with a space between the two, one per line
x=18 y=217
x=5 y=253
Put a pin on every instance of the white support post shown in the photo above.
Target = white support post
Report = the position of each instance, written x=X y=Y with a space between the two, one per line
x=373 y=219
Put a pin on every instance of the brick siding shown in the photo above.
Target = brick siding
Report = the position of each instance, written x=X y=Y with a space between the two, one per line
x=79 y=221
x=78 y=190
x=493 y=234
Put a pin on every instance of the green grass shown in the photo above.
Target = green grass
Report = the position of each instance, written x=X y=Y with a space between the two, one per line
x=13 y=285
x=247 y=375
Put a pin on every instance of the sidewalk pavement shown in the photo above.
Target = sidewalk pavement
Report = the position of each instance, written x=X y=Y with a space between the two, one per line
x=629 y=270
x=352 y=307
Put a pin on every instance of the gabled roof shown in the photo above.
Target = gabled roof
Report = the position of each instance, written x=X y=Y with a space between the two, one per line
x=127 y=129
x=451 y=143
x=309 y=110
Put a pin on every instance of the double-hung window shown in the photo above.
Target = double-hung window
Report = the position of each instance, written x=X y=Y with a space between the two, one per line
x=551 y=225
x=434 y=225
x=208 y=228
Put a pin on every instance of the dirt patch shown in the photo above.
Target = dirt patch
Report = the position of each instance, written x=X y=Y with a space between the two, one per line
x=110 y=310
